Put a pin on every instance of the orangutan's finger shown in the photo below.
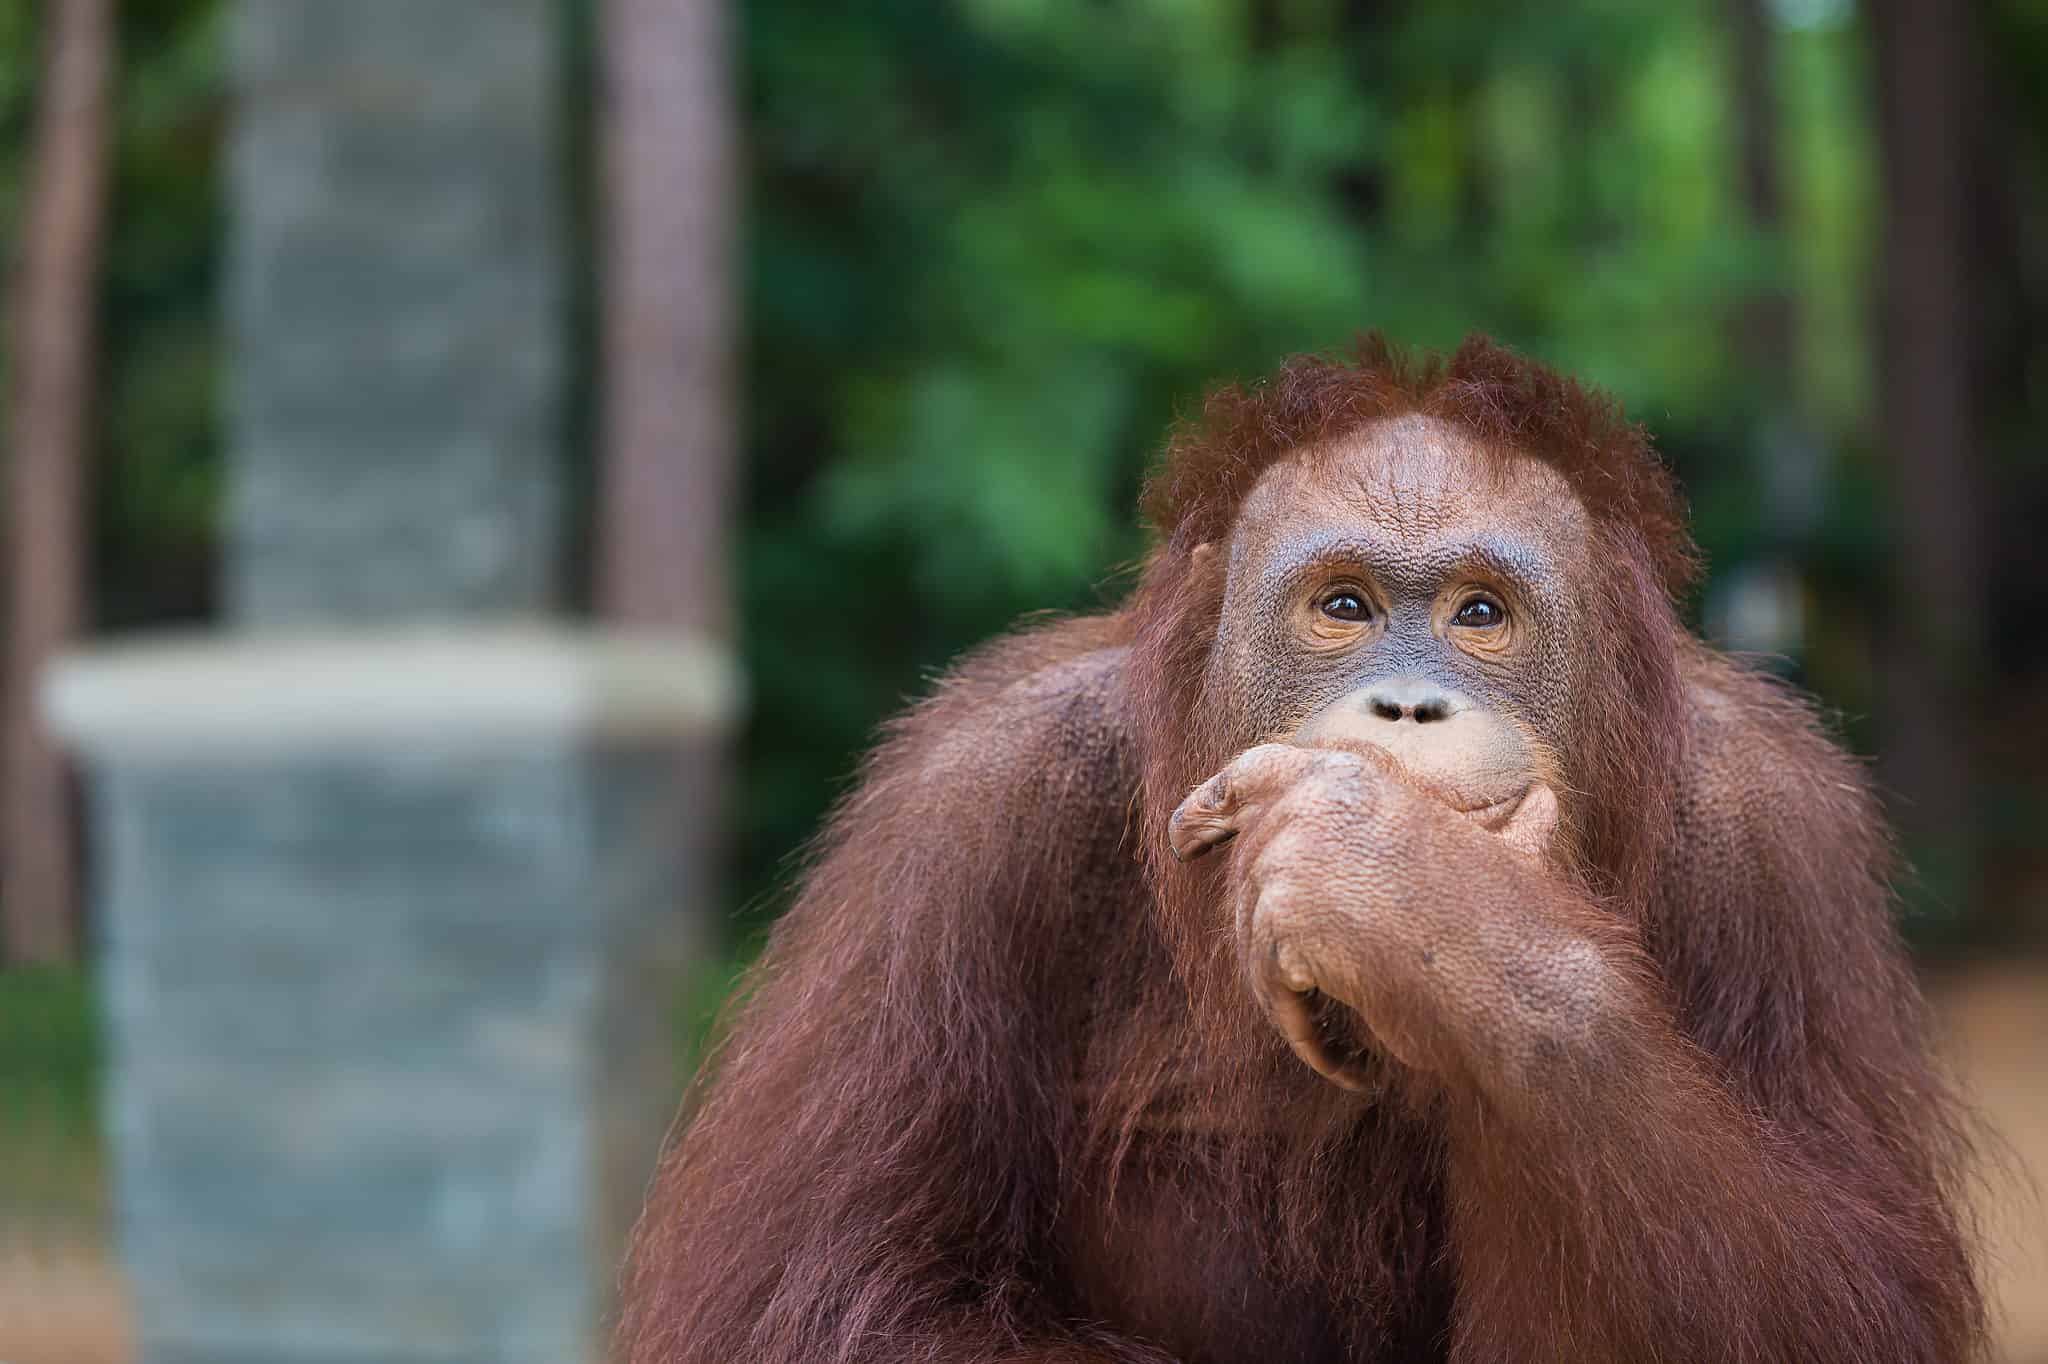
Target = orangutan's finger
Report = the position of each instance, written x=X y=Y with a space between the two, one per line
x=1292 y=1011
x=1210 y=816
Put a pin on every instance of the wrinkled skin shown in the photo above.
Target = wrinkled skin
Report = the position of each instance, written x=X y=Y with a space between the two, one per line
x=1415 y=516
x=1351 y=877
x=1352 y=882
x=1388 y=938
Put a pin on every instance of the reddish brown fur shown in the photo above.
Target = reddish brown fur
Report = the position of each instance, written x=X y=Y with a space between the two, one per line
x=1212 y=463
x=996 y=1092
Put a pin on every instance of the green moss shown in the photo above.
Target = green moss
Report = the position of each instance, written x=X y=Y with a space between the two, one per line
x=51 y=1158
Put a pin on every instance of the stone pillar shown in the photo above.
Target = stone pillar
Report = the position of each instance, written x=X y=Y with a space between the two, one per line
x=395 y=309
x=389 y=933
x=392 y=877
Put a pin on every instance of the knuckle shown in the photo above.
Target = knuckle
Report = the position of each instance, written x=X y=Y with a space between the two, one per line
x=1339 y=772
x=1264 y=763
x=1285 y=911
x=1279 y=862
x=1273 y=956
x=1246 y=770
x=1290 y=965
x=1339 y=762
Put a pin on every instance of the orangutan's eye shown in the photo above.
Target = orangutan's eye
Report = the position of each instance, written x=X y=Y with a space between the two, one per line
x=1480 y=613
x=1345 y=605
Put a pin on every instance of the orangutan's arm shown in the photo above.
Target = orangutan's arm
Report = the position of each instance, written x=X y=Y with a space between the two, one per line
x=1616 y=1195
x=1613 y=1199
x=871 y=1167
x=1798 y=1091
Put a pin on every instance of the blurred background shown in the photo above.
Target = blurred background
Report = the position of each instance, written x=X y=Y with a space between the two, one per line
x=967 y=262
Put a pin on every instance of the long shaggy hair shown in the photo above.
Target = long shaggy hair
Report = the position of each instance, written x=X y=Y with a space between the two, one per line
x=999 y=1007
x=1618 y=806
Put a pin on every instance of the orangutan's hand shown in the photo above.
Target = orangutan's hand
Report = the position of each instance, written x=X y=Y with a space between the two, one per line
x=1440 y=928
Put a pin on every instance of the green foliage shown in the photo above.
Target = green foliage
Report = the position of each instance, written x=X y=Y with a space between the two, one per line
x=49 y=1067
x=158 y=483
x=996 y=247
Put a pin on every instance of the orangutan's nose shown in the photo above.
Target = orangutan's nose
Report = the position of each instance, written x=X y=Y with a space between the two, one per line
x=1412 y=698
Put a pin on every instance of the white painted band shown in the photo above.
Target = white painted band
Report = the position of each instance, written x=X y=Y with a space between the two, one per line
x=271 y=692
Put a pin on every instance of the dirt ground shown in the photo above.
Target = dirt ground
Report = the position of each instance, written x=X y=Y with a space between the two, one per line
x=62 y=1303
x=1997 y=1022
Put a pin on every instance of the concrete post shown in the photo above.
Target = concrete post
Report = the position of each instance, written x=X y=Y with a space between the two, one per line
x=391 y=878
x=389 y=930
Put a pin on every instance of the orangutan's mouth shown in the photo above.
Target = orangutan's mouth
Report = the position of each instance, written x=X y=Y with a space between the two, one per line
x=1492 y=814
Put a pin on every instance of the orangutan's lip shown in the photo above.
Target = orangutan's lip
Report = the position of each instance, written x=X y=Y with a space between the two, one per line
x=1493 y=814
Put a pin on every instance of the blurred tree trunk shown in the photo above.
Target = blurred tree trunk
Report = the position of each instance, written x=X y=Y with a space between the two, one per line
x=667 y=477
x=53 y=340
x=1768 y=323
x=1926 y=374
x=2010 y=325
x=668 y=471
x=1758 y=605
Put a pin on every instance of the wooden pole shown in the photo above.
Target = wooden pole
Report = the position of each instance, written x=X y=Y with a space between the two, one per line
x=1925 y=78
x=49 y=432
x=1767 y=332
x=668 y=469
